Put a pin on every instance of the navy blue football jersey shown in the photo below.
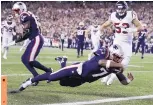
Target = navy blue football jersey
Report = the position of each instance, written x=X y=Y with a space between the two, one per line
x=92 y=66
x=81 y=34
x=34 y=27
x=142 y=35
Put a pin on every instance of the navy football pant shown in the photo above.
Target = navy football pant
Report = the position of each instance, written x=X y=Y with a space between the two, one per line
x=58 y=75
x=30 y=54
x=80 y=47
x=142 y=46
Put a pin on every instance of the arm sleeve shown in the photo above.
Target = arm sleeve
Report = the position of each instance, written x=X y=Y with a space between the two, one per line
x=121 y=77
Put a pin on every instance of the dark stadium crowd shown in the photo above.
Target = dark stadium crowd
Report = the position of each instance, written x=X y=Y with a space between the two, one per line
x=63 y=17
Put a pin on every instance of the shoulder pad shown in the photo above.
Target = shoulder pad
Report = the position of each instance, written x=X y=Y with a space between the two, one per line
x=24 y=17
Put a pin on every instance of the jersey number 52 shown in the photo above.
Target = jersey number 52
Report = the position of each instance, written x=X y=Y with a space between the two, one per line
x=118 y=27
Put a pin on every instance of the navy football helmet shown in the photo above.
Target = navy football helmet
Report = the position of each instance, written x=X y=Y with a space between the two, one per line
x=121 y=8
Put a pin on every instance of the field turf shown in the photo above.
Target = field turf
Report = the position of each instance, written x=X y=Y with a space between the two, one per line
x=51 y=93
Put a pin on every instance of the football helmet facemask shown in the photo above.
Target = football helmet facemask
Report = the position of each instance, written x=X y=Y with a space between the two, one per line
x=116 y=53
x=18 y=8
x=121 y=8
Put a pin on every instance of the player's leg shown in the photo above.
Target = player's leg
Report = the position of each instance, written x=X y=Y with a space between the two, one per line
x=62 y=44
x=91 y=53
x=96 y=46
x=62 y=60
x=35 y=79
x=137 y=48
x=71 y=81
x=105 y=79
x=82 y=45
x=4 y=47
x=78 y=49
x=62 y=73
x=133 y=47
x=38 y=43
x=25 y=60
x=111 y=79
x=143 y=50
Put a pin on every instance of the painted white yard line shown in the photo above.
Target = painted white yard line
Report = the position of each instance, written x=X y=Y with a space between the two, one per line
x=105 y=100
x=142 y=62
x=14 y=75
x=11 y=75
x=135 y=66
x=3 y=63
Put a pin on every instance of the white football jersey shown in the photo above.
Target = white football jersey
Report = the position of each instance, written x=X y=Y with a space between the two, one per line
x=8 y=29
x=95 y=32
x=121 y=26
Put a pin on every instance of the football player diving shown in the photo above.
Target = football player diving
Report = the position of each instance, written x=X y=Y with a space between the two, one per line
x=102 y=64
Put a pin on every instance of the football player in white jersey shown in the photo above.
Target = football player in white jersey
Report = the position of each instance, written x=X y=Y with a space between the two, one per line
x=8 y=27
x=125 y=23
x=95 y=38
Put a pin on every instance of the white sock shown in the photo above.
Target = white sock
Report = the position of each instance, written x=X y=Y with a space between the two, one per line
x=105 y=79
x=5 y=52
x=111 y=79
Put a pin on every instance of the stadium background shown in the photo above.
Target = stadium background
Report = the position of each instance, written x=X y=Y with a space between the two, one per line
x=58 y=18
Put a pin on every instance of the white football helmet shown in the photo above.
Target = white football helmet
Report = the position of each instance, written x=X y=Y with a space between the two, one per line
x=116 y=53
x=19 y=7
x=81 y=24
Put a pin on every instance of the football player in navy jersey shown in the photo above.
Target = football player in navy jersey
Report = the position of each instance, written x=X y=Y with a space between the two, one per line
x=141 y=41
x=80 y=35
x=31 y=32
x=88 y=71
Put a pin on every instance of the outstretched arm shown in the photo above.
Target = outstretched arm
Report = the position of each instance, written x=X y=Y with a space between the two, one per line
x=105 y=25
x=123 y=79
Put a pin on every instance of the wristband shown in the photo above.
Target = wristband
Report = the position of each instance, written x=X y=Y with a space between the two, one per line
x=128 y=80
x=108 y=63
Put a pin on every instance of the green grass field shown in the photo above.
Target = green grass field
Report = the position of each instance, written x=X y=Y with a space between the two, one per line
x=53 y=93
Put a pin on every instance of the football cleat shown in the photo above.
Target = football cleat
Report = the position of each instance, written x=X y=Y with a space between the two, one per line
x=25 y=84
x=4 y=57
x=65 y=58
x=61 y=59
x=58 y=58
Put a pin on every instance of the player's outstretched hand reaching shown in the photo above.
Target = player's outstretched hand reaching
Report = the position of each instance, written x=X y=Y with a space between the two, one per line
x=130 y=76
